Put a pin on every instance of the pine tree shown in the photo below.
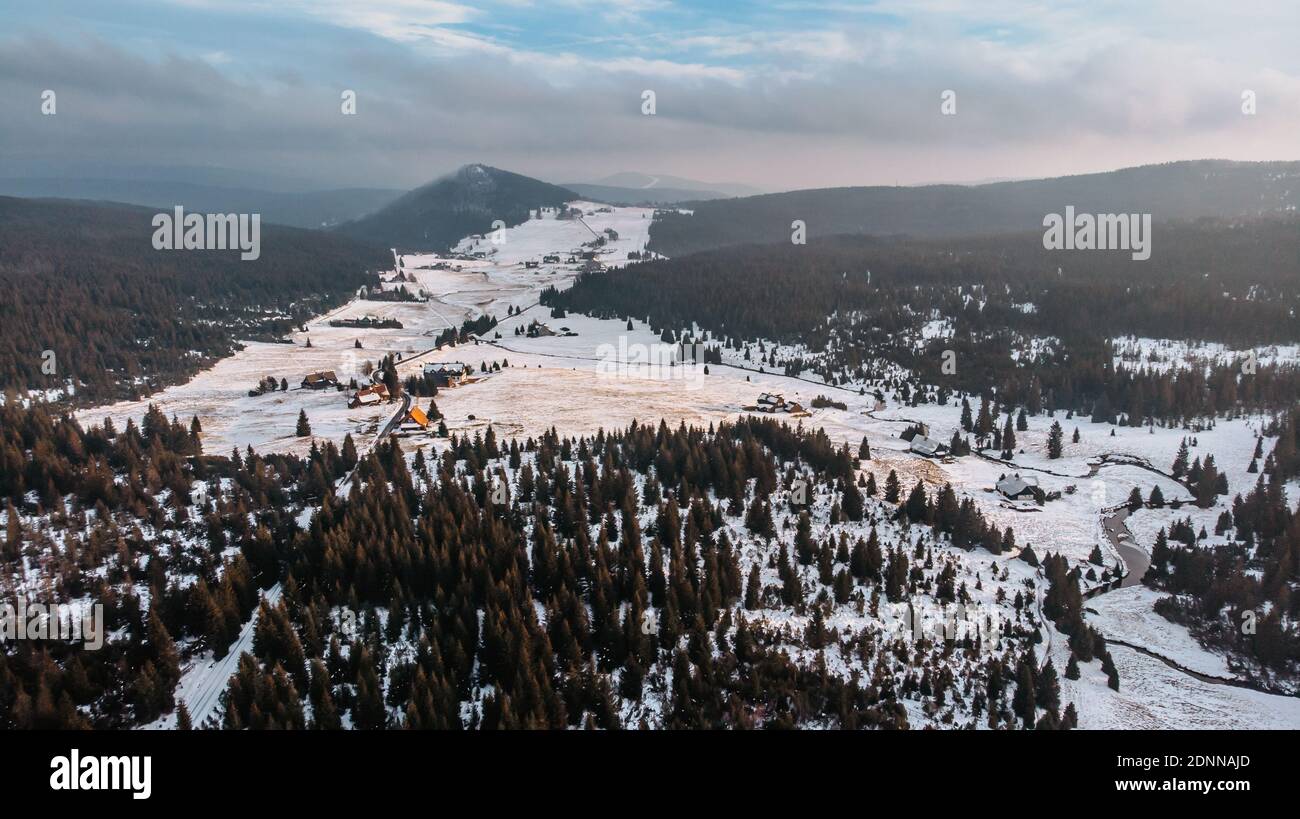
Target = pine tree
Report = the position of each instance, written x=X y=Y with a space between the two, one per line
x=1070 y=719
x=1112 y=673
x=918 y=505
x=1054 y=441
x=1023 y=700
x=304 y=428
x=1180 y=462
x=752 y=590
x=1135 y=501
x=348 y=455
x=983 y=422
x=1047 y=691
x=892 y=489
x=852 y=503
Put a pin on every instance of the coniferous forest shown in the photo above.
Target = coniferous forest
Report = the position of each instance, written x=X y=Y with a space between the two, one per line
x=414 y=599
x=93 y=313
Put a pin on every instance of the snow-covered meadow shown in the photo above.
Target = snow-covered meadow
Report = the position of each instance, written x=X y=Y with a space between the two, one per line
x=593 y=374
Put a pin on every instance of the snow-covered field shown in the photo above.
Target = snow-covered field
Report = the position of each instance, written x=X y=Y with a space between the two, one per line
x=1127 y=615
x=1154 y=696
x=231 y=418
x=595 y=374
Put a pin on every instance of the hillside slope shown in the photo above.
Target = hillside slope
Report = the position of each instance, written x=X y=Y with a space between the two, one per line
x=303 y=209
x=435 y=216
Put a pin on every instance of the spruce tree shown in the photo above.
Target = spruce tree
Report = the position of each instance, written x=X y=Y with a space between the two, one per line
x=1054 y=441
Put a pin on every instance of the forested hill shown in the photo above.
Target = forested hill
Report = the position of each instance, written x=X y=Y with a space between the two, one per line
x=84 y=281
x=436 y=216
x=1238 y=283
x=1177 y=190
x=1024 y=320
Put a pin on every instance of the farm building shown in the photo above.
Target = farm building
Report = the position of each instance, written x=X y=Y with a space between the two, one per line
x=320 y=380
x=447 y=373
x=415 y=420
x=928 y=447
x=1015 y=487
x=370 y=396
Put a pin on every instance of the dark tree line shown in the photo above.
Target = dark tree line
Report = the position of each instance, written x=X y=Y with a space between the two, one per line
x=432 y=557
x=123 y=319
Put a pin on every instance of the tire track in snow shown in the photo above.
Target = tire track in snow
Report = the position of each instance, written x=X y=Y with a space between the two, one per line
x=213 y=677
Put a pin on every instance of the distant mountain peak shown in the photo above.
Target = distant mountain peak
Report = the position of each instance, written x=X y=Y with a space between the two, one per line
x=438 y=214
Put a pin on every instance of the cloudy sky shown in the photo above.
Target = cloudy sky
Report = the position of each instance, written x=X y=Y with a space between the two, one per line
x=778 y=95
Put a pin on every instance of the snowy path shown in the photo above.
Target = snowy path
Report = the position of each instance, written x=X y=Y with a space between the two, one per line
x=201 y=685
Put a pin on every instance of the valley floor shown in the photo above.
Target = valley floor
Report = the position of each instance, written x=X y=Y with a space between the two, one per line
x=593 y=374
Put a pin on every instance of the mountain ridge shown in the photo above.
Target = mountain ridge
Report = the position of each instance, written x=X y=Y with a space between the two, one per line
x=1177 y=190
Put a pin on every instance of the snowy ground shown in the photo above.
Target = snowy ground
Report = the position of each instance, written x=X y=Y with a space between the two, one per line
x=1154 y=696
x=597 y=374
x=1160 y=355
x=1127 y=615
